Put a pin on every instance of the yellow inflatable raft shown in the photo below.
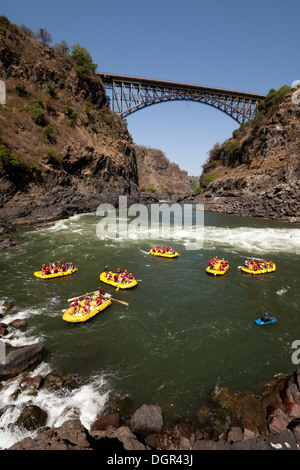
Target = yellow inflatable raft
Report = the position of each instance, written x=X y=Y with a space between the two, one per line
x=164 y=255
x=81 y=316
x=216 y=269
x=52 y=276
x=112 y=282
x=262 y=268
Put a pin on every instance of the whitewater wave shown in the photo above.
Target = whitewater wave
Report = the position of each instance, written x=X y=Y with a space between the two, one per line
x=85 y=403
x=246 y=239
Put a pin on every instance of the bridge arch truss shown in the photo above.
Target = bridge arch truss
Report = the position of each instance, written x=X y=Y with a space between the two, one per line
x=130 y=94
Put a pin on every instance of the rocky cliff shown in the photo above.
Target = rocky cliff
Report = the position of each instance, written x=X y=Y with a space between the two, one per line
x=256 y=172
x=62 y=150
x=159 y=176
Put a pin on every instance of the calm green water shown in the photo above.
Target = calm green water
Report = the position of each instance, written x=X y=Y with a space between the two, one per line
x=184 y=331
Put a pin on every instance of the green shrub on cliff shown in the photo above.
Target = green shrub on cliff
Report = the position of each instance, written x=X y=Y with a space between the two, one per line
x=232 y=150
x=14 y=165
x=38 y=112
x=21 y=90
x=84 y=66
x=53 y=157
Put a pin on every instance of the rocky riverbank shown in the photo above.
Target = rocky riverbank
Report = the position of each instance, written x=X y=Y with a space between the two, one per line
x=228 y=421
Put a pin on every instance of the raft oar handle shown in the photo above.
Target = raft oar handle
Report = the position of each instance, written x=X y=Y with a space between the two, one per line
x=79 y=296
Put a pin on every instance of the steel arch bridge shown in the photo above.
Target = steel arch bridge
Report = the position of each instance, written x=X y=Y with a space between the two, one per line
x=130 y=94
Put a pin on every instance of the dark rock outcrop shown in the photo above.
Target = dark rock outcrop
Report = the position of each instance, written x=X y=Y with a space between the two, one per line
x=256 y=173
x=21 y=359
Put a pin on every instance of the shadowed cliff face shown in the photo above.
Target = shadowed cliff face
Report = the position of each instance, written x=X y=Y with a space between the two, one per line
x=62 y=151
x=257 y=173
x=159 y=176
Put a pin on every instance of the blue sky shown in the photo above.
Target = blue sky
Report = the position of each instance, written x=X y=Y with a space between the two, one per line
x=247 y=46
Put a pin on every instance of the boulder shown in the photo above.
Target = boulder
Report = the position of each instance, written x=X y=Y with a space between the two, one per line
x=19 y=324
x=147 y=420
x=21 y=359
x=101 y=424
x=71 y=435
x=116 y=439
x=31 y=382
x=32 y=417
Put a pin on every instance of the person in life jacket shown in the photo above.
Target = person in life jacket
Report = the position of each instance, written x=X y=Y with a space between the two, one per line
x=55 y=269
x=43 y=268
x=87 y=297
x=130 y=277
x=101 y=291
x=265 y=317
x=63 y=268
x=47 y=270
x=98 y=300
x=86 y=306
x=75 y=306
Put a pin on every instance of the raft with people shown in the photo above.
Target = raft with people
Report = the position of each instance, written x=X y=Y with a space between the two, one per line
x=258 y=267
x=217 y=267
x=91 y=305
x=121 y=280
x=55 y=270
x=165 y=252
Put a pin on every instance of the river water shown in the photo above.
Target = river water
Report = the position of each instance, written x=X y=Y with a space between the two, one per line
x=184 y=332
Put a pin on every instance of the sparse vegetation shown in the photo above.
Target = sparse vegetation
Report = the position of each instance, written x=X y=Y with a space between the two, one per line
x=53 y=157
x=50 y=90
x=49 y=133
x=14 y=165
x=21 y=90
x=44 y=37
x=38 y=113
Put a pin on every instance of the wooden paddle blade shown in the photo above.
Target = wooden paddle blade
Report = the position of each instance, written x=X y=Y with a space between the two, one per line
x=120 y=301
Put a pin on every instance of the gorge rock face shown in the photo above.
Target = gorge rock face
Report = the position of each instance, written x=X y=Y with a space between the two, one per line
x=159 y=176
x=62 y=151
x=262 y=179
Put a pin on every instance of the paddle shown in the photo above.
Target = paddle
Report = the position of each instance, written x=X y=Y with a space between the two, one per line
x=120 y=301
x=79 y=296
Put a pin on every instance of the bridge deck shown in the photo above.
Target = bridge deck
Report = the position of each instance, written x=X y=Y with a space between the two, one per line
x=110 y=77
